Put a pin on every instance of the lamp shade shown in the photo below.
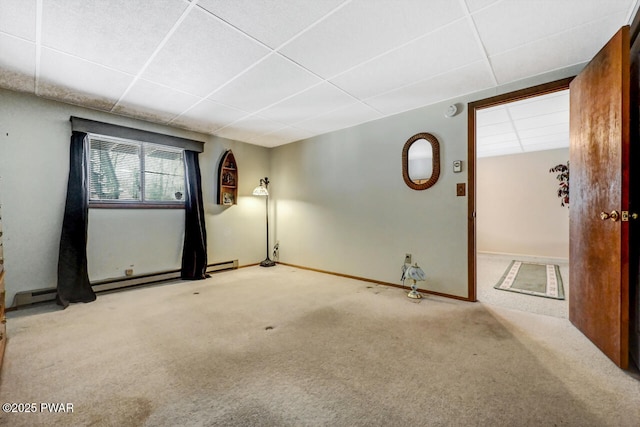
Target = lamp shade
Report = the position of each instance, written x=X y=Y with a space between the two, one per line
x=260 y=190
x=416 y=273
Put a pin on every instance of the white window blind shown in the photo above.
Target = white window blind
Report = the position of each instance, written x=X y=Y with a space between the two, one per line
x=124 y=172
x=115 y=171
x=163 y=173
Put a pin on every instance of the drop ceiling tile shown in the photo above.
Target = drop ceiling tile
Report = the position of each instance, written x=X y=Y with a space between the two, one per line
x=542 y=124
x=494 y=146
x=120 y=34
x=557 y=140
x=526 y=21
x=549 y=145
x=203 y=54
x=92 y=85
x=249 y=129
x=350 y=115
x=556 y=52
x=558 y=118
x=282 y=136
x=17 y=64
x=551 y=103
x=554 y=97
x=468 y=79
x=272 y=22
x=206 y=53
x=502 y=138
x=18 y=18
x=208 y=116
x=270 y=81
x=269 y=141
x=443 y=50
x=544 y=130
x=358 y=32
x=491 y=116
x=476 y=5
x=236 y=134
x=150 y=101
x=312 y=102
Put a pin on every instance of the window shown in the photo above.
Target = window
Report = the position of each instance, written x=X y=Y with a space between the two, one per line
x=126 y=173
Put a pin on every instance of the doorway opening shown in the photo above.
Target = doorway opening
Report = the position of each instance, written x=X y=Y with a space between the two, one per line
x=515 y=214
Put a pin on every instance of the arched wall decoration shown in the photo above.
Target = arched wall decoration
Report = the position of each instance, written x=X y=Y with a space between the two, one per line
x=435 y=174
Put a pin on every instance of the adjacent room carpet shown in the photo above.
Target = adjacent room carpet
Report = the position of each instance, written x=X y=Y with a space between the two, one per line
x=542 y=280
x=290 y=347
x=490 y=267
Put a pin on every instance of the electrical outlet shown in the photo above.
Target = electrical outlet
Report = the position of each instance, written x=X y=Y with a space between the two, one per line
x=407 y=259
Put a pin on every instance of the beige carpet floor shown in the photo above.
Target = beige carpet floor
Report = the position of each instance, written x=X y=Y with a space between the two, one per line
x=289 y=347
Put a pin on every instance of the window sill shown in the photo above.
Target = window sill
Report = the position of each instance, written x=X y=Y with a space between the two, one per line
x=134 y=205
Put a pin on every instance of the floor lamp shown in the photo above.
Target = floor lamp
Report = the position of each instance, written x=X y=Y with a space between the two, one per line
x=263 y=190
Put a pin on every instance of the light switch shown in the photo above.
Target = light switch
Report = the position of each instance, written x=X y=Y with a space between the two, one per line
x=461 y=189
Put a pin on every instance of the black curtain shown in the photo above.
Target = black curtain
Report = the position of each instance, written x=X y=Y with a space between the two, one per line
x=194 y=253
x=73 y=278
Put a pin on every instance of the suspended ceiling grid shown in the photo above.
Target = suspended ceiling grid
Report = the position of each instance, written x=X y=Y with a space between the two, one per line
x=273 y=72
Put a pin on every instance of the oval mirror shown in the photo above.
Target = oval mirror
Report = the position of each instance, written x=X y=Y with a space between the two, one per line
x=421 y=161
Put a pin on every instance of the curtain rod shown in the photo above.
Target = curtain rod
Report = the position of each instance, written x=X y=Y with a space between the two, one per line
x=92 y=126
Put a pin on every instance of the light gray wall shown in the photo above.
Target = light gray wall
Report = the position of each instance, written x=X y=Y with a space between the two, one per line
x=341 y=204
x=339 y=201
x=34 y=165
x=518 y=211
x=238 y=231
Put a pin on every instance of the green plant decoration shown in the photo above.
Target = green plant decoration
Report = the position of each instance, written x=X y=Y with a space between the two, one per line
x=563 y=178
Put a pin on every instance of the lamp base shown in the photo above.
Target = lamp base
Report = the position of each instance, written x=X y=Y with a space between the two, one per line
x=414 y=294
x=267 y=263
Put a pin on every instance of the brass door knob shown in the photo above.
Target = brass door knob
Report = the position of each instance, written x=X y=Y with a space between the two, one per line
x=613 y=216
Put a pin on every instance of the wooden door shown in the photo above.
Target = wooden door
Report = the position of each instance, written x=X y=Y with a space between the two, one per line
x=634 y=236
x=599 y=180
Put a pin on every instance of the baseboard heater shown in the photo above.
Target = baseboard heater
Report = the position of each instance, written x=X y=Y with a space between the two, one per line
x=49 y=294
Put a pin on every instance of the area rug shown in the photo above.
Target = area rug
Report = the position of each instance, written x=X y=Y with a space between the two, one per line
x=542 y=280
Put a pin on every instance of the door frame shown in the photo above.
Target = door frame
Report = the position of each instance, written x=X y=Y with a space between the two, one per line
x=472 y=107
